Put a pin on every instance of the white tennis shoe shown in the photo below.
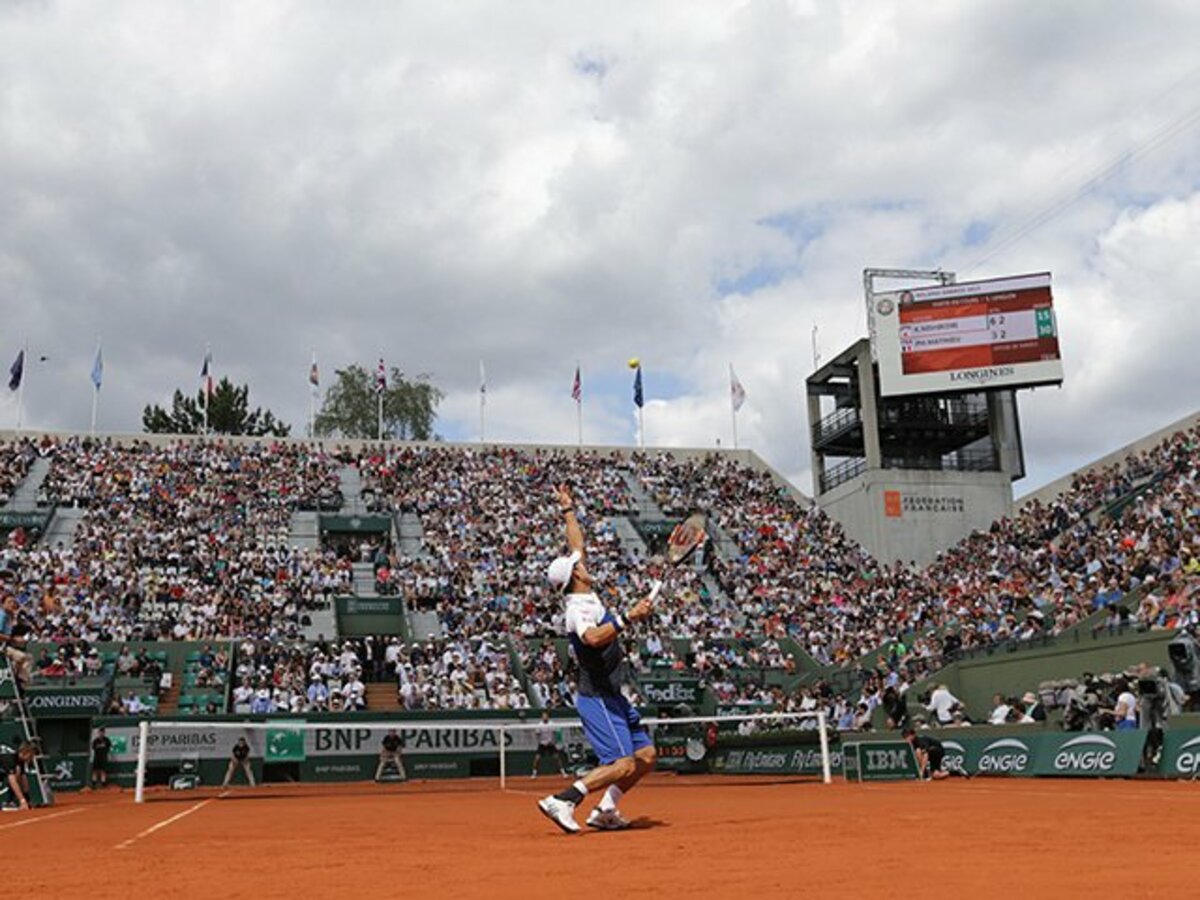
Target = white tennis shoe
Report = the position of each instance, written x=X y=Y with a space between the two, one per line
x=607 y=820
x=561 y=813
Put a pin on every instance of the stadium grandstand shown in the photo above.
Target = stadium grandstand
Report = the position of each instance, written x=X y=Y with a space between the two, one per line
x=259 y=558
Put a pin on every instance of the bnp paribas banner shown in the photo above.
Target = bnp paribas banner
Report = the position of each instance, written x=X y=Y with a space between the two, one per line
x=282 y=742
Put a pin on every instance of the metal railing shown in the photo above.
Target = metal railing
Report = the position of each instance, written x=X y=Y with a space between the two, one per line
x=842 y=472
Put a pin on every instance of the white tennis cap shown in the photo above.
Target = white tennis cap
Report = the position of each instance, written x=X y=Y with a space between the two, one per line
x=559 y=572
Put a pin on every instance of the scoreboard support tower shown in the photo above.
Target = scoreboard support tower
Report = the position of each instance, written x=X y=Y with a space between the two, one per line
x=909 y=475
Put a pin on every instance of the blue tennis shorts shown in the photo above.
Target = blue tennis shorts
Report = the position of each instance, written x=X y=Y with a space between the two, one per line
x=613 y=727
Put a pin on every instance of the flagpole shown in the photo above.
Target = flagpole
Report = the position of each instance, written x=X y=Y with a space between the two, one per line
x=25 y=367
x=482 y=399
x=641 y=428
x=379 y=404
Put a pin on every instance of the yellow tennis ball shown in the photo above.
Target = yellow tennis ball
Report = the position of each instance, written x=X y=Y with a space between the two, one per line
x=634 y=362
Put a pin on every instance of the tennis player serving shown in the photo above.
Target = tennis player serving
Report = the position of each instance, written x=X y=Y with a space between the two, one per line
x=610 y=722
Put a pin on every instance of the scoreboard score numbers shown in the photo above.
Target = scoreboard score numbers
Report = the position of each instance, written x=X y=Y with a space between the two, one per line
x=999 y=333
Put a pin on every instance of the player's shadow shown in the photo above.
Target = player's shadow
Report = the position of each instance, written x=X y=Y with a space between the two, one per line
x=641 y=823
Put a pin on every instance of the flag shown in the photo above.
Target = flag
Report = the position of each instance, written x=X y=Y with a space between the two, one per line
x=482 y=383
x=577 y=387
x=98 y=368
x=737 y=393
x=314 y=377
x=380 y=377
x=17 y=370
x=206 y=372
x=638 y=400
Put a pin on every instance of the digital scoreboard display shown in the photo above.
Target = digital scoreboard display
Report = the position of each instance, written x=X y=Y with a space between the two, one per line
x=975 y=335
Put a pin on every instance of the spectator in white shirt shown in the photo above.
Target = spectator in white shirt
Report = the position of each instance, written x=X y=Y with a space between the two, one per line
x=942 y=704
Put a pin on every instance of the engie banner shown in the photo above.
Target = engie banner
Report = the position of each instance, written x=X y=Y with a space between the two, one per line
x=1074 y=753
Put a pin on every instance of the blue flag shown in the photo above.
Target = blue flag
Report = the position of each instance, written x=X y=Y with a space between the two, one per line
x=638 y=400
x=17 y=370
x=98 y=369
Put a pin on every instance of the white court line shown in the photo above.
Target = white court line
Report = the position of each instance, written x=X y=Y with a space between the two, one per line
x=124 y=845
x=65 y=812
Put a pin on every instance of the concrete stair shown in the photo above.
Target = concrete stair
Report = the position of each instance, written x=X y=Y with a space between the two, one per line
x=411 y=538
x=305 y=530
x=324 y=624
x=169 y=701
x=423 y=625
x=364 y=579
x=643 y=503
x=628 y=535
x=351 y=486
x=62 y=527
x=25 y=497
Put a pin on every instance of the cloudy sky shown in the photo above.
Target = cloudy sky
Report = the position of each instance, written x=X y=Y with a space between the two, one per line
x=532 y=184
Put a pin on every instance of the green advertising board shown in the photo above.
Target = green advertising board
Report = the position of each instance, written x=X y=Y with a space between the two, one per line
x=68 y=772
x=283 y=744
x=880 y=761
x=8 y=687
x=1180 y=754
x=781 y=760
x=1062 y=753
x=336 y=524
x=78 y=701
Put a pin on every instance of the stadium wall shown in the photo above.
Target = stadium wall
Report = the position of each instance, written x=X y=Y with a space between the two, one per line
x=1049 y=491
x=912 y=515
x=974 y=679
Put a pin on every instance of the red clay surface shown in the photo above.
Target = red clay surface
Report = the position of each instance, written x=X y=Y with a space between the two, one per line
x=710 y=838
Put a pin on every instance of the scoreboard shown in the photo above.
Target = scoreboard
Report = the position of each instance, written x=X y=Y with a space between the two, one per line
x=999 y=333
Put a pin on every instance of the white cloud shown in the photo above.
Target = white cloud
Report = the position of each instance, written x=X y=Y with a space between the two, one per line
x=534 y=185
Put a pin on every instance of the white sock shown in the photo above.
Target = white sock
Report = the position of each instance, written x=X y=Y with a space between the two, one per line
x=611 y=798
x=581 y=787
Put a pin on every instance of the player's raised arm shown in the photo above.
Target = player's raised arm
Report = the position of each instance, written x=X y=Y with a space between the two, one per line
x=567 y=504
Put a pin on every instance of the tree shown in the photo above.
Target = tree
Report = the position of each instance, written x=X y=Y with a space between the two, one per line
x=350 y=408
x=228 y=413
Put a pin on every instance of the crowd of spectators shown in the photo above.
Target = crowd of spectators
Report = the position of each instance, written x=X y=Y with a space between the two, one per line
x=179 y=541
x=15 y=459
x=189 y=540
x=457 y=673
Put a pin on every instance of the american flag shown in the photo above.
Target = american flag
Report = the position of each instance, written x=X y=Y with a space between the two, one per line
x=577 y=387
x=380 y=378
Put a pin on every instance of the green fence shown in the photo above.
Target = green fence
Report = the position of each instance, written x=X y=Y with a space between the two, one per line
x=370 y=615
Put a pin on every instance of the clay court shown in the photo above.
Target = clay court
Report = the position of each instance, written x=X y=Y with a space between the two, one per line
x=707 y=837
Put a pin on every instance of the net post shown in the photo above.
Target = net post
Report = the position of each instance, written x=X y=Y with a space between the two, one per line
x=139 y=790
x=503 y=761
x=826 y=775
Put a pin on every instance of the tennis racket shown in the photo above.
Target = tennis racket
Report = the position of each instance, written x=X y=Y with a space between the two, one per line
x=683 y=541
